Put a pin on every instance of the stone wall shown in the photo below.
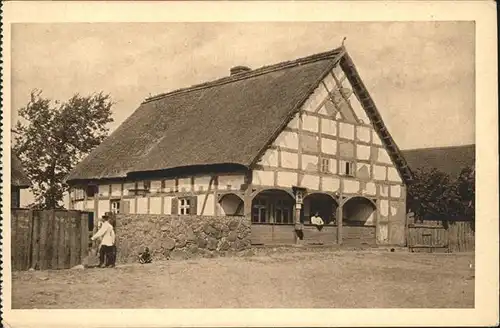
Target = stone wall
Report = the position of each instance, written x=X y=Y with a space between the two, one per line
x=180 y=237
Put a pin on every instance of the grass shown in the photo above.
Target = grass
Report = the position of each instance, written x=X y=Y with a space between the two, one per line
x=280 y=278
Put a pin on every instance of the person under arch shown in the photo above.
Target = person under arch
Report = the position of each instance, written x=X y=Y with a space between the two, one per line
x=317 y=221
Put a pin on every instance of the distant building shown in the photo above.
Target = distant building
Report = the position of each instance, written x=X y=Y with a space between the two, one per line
x=451 y=160
x=19 y=180
x=275 y=144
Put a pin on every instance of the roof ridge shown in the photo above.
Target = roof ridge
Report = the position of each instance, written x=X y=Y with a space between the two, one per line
x=331 y=54
x=440 y=147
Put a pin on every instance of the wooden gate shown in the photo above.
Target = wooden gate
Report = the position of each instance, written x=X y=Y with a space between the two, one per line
x=451 y=237
x=48 y=239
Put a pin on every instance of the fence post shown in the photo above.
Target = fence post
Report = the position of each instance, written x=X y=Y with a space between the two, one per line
x=35 y=254
x=55 y=240
x=73 y=246
x=31 y=240
x=78 y=245
x=13 y=239
x=61 y=253
x=22 y=243
x=407 y=229
x=42 y=246
x=84 y=236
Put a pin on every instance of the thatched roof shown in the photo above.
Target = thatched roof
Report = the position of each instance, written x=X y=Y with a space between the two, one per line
x=450 y=160
x=228 y=121
x=18 y=177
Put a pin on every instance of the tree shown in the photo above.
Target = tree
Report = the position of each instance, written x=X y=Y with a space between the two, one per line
x=427 y=194
x=52 y=138
x=466 y=189
x=433 y=194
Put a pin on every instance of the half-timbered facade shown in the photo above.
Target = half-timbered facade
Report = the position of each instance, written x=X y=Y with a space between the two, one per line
x=19 y=180
x=276 y=144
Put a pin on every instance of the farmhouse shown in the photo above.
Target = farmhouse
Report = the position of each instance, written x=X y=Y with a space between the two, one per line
x=275 y=144
x=18 y=180
x=450 y=160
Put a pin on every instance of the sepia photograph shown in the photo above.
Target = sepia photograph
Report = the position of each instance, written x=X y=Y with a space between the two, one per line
x=243 y=165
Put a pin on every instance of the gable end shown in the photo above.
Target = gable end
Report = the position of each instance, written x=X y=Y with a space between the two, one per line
x=335 y=60
x=376 y=119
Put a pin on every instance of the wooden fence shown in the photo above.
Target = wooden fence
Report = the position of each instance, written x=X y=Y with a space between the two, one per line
x=49 y=239
x=448 y=237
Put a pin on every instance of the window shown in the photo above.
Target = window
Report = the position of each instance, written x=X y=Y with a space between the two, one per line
x=347 y=168
x=283 y=212
x=115 y=206
x=91 y=191
x=147 y=185
x=325 y=165
x=79 y=194
x=259 y=211
x=184 y=206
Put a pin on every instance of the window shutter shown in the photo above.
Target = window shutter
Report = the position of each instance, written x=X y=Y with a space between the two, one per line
x=125 y=207
x=193 y=202
x=175 y=206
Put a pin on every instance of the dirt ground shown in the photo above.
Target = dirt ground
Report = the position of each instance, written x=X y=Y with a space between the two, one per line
x=273 y=278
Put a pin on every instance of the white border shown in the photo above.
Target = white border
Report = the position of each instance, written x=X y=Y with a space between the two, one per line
x=486 y=295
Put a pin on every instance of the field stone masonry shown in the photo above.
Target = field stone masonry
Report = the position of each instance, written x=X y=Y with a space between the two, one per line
x=180 y=237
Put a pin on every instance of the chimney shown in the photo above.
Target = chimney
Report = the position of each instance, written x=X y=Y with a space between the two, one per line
x=239 y=69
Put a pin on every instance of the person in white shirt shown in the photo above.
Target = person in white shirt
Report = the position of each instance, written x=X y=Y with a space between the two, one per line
x=317 y=220
x=107 y=235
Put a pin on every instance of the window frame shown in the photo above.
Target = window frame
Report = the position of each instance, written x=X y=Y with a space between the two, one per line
x=117 y=202
x=259 y=211
x=347 y=168
x=91 y=191
x=285 y=208
x=325 y=165
x=185 y=206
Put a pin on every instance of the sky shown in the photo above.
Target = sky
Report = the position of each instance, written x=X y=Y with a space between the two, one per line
x=420 y=74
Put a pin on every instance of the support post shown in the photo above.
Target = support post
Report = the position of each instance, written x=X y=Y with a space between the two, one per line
x=297 y=214
x=299 y=198
x=339 y=222
x=297 y=223
x=247 y=199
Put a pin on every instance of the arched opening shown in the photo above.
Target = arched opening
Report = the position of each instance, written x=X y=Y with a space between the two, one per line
x=231 y=205
x=359 y=211
x=273 y=206
x=323 y=204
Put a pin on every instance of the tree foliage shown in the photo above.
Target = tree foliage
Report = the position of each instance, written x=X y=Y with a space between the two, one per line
x=52 y=137
x=435 y=195
x=466 y=189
